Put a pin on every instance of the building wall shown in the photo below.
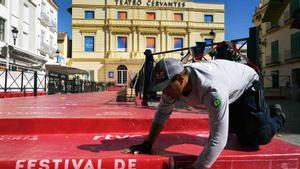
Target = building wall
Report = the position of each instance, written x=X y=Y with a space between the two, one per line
x=281 y=33
x=137 y=28
x=49 y=26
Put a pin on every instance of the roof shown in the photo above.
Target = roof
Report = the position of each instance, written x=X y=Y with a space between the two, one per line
x=66 y=70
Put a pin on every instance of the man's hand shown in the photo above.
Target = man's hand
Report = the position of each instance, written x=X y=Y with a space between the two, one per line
x=144 y=148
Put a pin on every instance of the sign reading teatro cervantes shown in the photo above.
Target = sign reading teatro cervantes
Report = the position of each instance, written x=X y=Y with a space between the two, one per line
x=150 y=3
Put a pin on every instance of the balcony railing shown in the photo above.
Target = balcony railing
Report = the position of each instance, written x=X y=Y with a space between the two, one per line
x=146 y=23
x=119 y=22
x=272 y=60
x=291 y=55
x=45 y=18
x=53 y=26
x=174 y=24
x=271 y=27
x=286 y=16
x=44 y=48
x=171 y=24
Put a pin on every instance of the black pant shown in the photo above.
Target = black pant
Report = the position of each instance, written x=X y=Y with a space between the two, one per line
x=251 y=120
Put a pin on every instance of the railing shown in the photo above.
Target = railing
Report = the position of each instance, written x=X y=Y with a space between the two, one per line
x=44 y=17
x=174 y=23
x=272 y=60
x=53 y=25
x=44 y=48
x=271 y=27
x=286 y=16
x=147 y=23
x=20 y=81
x=276 y=81
x=291 y=55
x=75 y=86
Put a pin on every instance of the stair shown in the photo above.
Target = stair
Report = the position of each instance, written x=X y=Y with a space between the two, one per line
x=90 y=130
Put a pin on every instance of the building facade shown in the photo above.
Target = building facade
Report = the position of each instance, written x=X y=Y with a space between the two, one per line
x=110 y=37
x=63 y=47
x=279 y=45
x=48 y=30
x=22 y=22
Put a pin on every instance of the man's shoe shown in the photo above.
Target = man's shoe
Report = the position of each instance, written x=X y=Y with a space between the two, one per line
x=276 y=110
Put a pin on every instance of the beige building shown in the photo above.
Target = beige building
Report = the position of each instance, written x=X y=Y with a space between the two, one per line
x=63 y=47
x=280 y=45
x=109 y=37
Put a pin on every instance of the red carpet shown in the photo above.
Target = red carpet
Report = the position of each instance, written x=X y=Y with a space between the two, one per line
x=89 y=131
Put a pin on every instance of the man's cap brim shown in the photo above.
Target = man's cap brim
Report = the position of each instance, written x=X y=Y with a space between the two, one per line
x=159 y=86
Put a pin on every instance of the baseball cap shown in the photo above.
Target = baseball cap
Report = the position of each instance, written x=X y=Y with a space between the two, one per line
x=164 y=71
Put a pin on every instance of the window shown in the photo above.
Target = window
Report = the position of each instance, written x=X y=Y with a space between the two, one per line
x=89 y=43
x=275 y=79
x=150 y=43
x=274 y=52
x=26 y=16
x=110 y=74
x=178 y=17
x=178 y=43
x=208 y=18
x=294 y=5
x=122 y=15
x=26 y=43
x=2 y=29
x=2 y=2
x=89 y=14
x=122 y=43
x=150 y=16
x=122 y=75
x=295 y=45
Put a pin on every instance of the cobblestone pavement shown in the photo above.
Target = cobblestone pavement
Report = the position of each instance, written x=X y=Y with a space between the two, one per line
x=291 y=131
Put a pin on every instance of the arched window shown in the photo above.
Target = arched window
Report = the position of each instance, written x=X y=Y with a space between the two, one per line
x=122 y=75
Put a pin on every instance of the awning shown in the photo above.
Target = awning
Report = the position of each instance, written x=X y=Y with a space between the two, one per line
x=274 y=10
x=66 y=70
x=19 y=54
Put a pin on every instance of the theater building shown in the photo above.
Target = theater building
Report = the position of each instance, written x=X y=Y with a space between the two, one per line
x=110 y=36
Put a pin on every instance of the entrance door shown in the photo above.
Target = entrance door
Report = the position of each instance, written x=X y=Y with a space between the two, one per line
x=122 y=75
x=275 y=79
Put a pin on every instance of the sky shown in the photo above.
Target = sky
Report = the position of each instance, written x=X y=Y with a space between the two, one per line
x=238 y=17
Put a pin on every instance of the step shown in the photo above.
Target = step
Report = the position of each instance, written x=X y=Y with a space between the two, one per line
x=104 y=150
x=87 y=113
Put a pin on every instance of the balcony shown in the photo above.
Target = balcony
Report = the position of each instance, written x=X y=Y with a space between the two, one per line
x=272 y=61
x=45 y=18
x=119 y=22
x=292 y=56
x=213 y=25
x=270 y=27
x=275 y=9
x=53 y=26
x=287 y=17
x=146 y=23
x=90 y=22
x=177 y=24
x=44 y=48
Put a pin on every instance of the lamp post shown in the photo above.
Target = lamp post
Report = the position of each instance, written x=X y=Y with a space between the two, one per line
x=15 y=32
x=57 y=56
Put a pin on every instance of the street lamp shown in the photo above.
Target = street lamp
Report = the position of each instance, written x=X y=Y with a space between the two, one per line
x=57 y=56
x=15 y=34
